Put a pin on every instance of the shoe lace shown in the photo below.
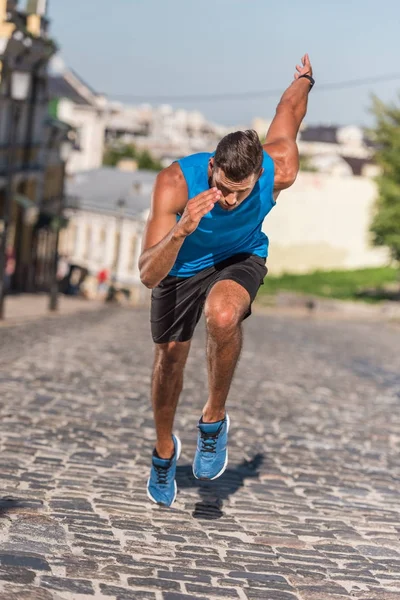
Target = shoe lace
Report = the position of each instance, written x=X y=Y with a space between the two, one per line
x=162 y=474
x=209 y=442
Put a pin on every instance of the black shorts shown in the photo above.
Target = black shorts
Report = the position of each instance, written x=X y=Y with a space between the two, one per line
x=177 y=302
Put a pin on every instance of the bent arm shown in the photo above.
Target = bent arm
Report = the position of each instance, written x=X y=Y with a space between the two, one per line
x=163 y=238
x=281 y=138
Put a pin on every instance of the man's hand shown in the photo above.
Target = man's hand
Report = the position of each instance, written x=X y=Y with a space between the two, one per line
x=306 y=69
x=195 y=210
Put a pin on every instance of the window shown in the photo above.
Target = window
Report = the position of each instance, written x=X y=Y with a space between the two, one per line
x=101 y=253
x=88 y=242
x=72 y=235
x=117 y=248
x=132 y=253
x=103 y=237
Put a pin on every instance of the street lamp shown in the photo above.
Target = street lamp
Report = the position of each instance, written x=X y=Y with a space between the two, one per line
x=18 y=92
x=20 y=85
x=66 y=149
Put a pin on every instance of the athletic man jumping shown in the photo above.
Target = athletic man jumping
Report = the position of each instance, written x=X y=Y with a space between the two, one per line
x=204 y=249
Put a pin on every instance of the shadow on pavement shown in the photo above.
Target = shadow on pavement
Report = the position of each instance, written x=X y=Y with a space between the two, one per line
x=7 y=504
x=213 y=493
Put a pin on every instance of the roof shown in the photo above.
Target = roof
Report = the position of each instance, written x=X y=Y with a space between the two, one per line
x=320 y=133
x=330 y=134
x=357 y=164
x=83 y=81
x=60 y=88
x=99 y=190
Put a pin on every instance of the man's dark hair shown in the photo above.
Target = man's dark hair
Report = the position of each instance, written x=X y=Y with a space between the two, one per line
x=239 y=155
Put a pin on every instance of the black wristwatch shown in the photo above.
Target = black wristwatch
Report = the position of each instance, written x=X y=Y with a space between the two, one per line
x=310 y=79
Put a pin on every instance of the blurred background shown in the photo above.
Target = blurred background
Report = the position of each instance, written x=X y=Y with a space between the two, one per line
x=97 y=97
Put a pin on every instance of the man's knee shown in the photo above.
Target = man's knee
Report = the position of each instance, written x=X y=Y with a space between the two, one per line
x=172 y=355
x=222 y=317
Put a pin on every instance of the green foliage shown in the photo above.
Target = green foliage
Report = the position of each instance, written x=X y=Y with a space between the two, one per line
x=114 y=154
x=146 y=161
x=385 y=226
x=345 y=285
x=305 y=164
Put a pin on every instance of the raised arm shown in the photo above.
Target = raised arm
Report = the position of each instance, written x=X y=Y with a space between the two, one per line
x=281 y=137
x=163 y=235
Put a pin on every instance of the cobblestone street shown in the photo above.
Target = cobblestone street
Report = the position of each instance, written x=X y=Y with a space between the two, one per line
x=308 y=509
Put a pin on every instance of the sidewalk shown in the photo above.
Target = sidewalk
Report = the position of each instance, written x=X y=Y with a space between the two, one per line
x=29 y=307
x=302 y=305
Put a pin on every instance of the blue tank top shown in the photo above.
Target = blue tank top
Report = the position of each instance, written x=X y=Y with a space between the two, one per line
x=221 y=233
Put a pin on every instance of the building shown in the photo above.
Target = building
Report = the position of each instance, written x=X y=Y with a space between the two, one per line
x=166 y=133
x=105 y=229
x=342 y=151
x=338 y=150
x=322 y=222
x=74 y=102
x=31 y=167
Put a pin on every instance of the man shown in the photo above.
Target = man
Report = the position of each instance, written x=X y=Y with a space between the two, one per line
x=204 y=249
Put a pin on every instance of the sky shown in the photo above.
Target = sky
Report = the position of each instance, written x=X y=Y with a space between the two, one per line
x=152 y=50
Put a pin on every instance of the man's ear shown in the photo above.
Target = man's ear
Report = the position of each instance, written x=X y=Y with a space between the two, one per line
x=210 y=166
x=261 y=173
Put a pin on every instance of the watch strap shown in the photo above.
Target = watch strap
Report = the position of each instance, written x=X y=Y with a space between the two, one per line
x=310 y=79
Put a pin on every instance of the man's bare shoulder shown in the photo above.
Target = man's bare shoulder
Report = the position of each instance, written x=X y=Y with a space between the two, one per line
x=170 y=191
x=172 y=177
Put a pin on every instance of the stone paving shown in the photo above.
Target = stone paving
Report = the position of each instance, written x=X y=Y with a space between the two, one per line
x=309 y=508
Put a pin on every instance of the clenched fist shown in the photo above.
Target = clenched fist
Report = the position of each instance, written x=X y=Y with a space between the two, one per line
x=196 y=208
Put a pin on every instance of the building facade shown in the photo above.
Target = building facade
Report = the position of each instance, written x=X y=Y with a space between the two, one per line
x=166 y=133
x=322 y=222
x=31 y=168
x=74 y=102
x=343 y=151
x=105 y=230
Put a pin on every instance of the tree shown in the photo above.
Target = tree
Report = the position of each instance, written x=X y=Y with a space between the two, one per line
x=145 y=160
x=385 y=226
x=305 y=164
x=114 y=154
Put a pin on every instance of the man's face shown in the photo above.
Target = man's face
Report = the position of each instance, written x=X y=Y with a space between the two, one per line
x=233 y=193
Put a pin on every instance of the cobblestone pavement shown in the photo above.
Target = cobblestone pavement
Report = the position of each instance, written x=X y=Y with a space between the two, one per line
x=309 y=506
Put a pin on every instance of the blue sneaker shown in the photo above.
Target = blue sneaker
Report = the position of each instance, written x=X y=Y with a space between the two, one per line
x=211 y=457
x=161 y=486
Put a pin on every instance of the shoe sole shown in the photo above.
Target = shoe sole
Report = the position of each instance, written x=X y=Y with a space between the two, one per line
x=222 y=471
x=178 y=453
